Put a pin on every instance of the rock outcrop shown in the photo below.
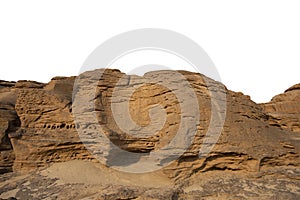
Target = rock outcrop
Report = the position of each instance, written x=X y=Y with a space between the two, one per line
x=9 y=123
x=47 y=133
x=284 y=109
x=39 y=128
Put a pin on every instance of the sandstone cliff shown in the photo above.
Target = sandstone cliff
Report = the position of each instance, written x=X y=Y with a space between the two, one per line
x=9 y=123
x=258 y=143
x=284 y=109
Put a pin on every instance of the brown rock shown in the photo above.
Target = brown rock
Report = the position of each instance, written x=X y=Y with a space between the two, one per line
x=9 y=123
x=258 y=146
x=7 y=84
x=284 y=109
x=29 y=84
x=47 y=132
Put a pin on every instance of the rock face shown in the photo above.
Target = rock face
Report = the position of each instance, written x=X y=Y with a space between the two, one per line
x=40 y=126
x=284 y=109
x=9 y=122
x=47 y=133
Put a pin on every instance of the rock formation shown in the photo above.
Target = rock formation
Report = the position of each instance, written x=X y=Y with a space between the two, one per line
x=284 y=109
x=9 y=122
x=258 y=143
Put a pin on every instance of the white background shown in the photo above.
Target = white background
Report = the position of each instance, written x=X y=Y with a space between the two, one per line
x=255 y=44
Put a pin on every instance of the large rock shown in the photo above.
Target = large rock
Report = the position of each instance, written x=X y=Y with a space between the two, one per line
x=9 y=122
x=47 y=127
x=284 y=109
x=47 y=133
x=46 y=118
x=247 y=142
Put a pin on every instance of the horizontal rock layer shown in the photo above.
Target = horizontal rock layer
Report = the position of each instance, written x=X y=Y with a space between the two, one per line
x=40 y=124
x=284 y=109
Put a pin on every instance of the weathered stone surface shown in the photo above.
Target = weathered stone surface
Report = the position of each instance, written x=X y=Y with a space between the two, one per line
x=9 y=122
x=284 y=109
x=40 y=127
x=85 y=180
x=47 y=132
x=7 y=84
x=29 y=84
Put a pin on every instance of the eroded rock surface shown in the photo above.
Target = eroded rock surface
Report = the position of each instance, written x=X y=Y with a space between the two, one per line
x=284 y=109
x=9 y=123
x=47 y=132
x=40 y=124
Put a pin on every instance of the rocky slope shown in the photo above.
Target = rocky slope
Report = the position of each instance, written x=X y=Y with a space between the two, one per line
x=256 y=155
